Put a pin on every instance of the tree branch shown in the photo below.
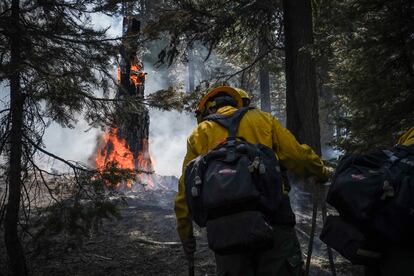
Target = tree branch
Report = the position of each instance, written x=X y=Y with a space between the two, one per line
x=71 y=165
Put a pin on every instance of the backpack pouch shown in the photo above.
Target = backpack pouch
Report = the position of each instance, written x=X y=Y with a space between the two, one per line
x=349 y=241
x=228 y=183
x=398 y=213
x=241 y=232
x=194 y=201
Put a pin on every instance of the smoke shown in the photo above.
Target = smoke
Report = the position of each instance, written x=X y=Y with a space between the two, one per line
x=168 y=129
x=167 y=142
x=76 y=144
x=330 y=153
x=113 y=24
x=168 y=135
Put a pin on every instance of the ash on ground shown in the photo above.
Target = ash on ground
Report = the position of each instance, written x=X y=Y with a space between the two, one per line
x=145 y=241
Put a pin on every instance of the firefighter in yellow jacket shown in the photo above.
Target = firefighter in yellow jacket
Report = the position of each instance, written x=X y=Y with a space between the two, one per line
x=256 y=127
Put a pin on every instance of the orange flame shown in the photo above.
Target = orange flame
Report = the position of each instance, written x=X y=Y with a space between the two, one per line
x=113 y=149
x=137 y=75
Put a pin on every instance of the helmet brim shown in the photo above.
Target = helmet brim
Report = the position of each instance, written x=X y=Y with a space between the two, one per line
x=226 y=89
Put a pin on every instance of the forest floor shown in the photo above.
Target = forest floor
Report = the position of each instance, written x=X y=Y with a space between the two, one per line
x=144 y=242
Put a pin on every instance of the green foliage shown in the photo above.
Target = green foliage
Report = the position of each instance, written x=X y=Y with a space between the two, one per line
x=231 y=24
x=226 y=35
x=66 y=60
x=84 y=206
x=74 y=219
x=65 y=71
x=170 y=99
x=110 y=177
x=371 y=63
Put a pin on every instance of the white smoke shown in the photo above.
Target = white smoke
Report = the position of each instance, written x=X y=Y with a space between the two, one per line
x=168 y=130
x=102 y=21
x=168 y=135
x=77 y=144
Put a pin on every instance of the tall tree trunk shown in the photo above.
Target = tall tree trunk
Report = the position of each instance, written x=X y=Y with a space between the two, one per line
x=264 y=88
x=243 y=84
x=265 y=104
x=191 y=69
x=15 y=253
x=302 y=103
x=326 y=100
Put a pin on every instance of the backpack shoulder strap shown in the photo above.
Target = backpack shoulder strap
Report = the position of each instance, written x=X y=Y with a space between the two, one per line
x=229 y=122
x=400 y=151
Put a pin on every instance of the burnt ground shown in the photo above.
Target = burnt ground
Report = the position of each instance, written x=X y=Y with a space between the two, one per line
x=144 y=242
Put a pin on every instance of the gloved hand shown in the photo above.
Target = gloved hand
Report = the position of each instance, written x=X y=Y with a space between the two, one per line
x=189 y=246
x=328 y=173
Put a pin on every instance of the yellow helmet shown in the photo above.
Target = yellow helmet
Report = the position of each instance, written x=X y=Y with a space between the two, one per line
x=233 y=92
x=243 y=94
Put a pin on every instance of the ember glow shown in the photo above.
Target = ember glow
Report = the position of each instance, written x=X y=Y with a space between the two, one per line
x=113 y=149
x=137 y=74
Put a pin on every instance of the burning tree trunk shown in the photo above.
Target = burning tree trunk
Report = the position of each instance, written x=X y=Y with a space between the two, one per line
x=127 y=144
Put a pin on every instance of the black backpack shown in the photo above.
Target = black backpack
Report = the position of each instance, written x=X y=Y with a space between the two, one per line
x=374 y=194
x=235 y=191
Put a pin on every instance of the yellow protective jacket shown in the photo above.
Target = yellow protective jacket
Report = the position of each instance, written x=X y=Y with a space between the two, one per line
x=256 y=127
x=407 y=138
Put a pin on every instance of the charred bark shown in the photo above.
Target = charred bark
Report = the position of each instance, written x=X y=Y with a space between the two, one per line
x=133 y=123
x=302 y=103
x=16 y=258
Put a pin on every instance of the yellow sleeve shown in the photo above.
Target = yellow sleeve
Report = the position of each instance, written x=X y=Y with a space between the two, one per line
x=184 y=223
x=299 y=159
x=407 y=138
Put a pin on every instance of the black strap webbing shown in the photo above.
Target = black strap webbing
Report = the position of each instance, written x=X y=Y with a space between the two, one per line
x=229 y=122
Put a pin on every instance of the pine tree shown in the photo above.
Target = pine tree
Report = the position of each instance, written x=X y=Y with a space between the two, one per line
x=369 y=45
x=55 y=63
x=231 y=27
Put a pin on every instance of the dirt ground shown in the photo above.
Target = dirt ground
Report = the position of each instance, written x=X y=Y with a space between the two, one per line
x=145 y=242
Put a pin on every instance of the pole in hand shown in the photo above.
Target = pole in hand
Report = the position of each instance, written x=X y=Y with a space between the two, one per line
x=191 y=265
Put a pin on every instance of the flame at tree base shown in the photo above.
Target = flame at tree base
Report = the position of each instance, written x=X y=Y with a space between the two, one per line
x=115 y=150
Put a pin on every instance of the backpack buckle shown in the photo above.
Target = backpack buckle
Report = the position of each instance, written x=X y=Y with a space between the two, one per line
x=231 y=149
x=194 y=191
x=391 y=155
x=231 y=141
x=262 y=168
x=197 y=180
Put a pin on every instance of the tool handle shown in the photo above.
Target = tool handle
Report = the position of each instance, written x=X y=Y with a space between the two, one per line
x=191 y=268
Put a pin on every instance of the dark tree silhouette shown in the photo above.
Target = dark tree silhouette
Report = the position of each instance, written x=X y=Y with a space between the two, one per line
x=54 y=62
x=302 y=102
